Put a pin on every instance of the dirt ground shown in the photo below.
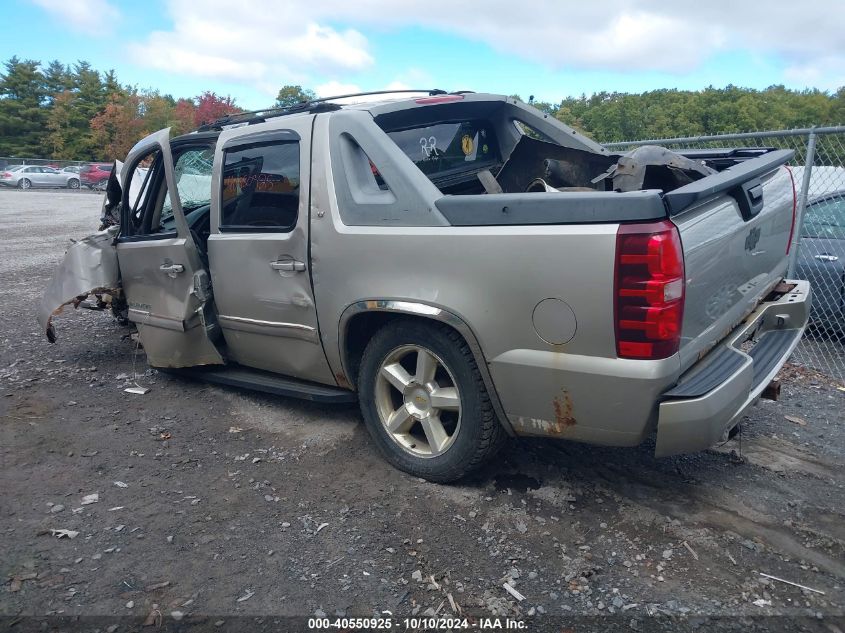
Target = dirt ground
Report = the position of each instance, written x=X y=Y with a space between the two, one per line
x=215 y=503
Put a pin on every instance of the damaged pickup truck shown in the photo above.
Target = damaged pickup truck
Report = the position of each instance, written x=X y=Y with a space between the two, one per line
x=463 y=265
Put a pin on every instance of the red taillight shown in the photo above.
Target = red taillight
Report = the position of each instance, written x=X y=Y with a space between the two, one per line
x=649 y=289
x=6 y=174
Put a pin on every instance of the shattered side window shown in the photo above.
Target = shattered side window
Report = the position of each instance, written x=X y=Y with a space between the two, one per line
x=192 y=170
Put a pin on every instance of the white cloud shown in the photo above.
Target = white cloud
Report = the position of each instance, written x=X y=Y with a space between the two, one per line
x=92 y=17
x=251 y=42
x=331 y=88
x=825 y=73
x=292 y=41
x=621 y=35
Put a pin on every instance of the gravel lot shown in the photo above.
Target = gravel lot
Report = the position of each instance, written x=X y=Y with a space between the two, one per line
x=215 y=503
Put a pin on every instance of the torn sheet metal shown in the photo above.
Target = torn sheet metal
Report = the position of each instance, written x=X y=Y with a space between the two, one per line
x=560 y=167
x=90 y=267
x=654 y=167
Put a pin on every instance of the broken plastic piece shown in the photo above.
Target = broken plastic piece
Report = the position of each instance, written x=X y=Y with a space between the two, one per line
x=64 y=533
x=513 y=592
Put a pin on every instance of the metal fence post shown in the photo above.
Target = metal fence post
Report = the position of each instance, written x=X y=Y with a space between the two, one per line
x=802 y=203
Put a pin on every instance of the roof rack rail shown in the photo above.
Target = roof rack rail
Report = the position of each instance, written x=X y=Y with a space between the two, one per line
x=311 y=105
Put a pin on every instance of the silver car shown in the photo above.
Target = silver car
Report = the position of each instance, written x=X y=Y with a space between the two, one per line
x=29 y=176
x=464 y=266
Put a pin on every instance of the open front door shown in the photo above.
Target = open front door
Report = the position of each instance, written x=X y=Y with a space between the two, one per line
x=167 y=286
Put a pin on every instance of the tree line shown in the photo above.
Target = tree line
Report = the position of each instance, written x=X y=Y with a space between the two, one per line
x=75 y=112
x=619 y=116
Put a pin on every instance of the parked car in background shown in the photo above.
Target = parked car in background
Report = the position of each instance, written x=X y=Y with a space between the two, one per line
x=822 y=260
x=95 y=175
x=8 y=175
x=28 y=176
x=74 y=169
x=821 y=254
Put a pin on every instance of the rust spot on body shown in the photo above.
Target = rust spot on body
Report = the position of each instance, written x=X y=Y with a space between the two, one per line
x=342 y=381
x=558 y=427
x=563 y=412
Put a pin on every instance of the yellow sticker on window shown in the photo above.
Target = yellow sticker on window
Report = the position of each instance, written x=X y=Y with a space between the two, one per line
x=466 y=144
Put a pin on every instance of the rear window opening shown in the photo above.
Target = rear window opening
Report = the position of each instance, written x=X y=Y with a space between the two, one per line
x=473 y=148
x=452 y=153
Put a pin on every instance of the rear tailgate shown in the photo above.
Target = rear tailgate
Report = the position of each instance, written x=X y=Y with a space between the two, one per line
x=735 y=228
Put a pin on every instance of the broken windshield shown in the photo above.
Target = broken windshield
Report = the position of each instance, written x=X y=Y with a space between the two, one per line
x=193 y=180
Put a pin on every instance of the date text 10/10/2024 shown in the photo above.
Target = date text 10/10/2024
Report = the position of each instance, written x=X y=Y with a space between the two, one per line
x=416 y=624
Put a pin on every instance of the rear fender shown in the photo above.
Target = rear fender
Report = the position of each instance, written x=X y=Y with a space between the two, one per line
x=89 y=267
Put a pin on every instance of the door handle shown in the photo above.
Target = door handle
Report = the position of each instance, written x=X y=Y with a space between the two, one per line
x=172 y=269
x=288 y=265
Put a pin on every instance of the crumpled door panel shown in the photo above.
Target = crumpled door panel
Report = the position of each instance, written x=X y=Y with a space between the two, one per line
x=90 y=267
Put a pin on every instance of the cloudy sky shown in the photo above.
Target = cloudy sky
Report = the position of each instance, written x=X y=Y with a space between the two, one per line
x=548 y=48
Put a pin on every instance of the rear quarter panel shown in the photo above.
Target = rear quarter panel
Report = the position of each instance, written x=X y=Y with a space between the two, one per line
x=493 y=278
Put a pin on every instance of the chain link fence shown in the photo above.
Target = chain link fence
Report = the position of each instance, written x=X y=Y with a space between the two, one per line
x=818 y=252
x=9 y=161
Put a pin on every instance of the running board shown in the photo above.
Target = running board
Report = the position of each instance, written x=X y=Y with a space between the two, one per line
x=265 y=381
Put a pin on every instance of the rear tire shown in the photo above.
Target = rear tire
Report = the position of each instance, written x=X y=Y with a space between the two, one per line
x=73 y=183
x=424 y=402
x=24 y=183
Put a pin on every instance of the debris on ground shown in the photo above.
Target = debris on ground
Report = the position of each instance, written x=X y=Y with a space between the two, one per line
x=249 y=594
x=513 y=592
x=62 y=533
x=796 y=420
x=157 y=585
x=794 y=584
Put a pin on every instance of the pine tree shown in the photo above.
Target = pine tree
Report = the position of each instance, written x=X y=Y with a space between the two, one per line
x=57 y=79
x=22 y=112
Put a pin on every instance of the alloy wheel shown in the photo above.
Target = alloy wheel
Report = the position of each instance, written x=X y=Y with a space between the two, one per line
x=418 y=401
